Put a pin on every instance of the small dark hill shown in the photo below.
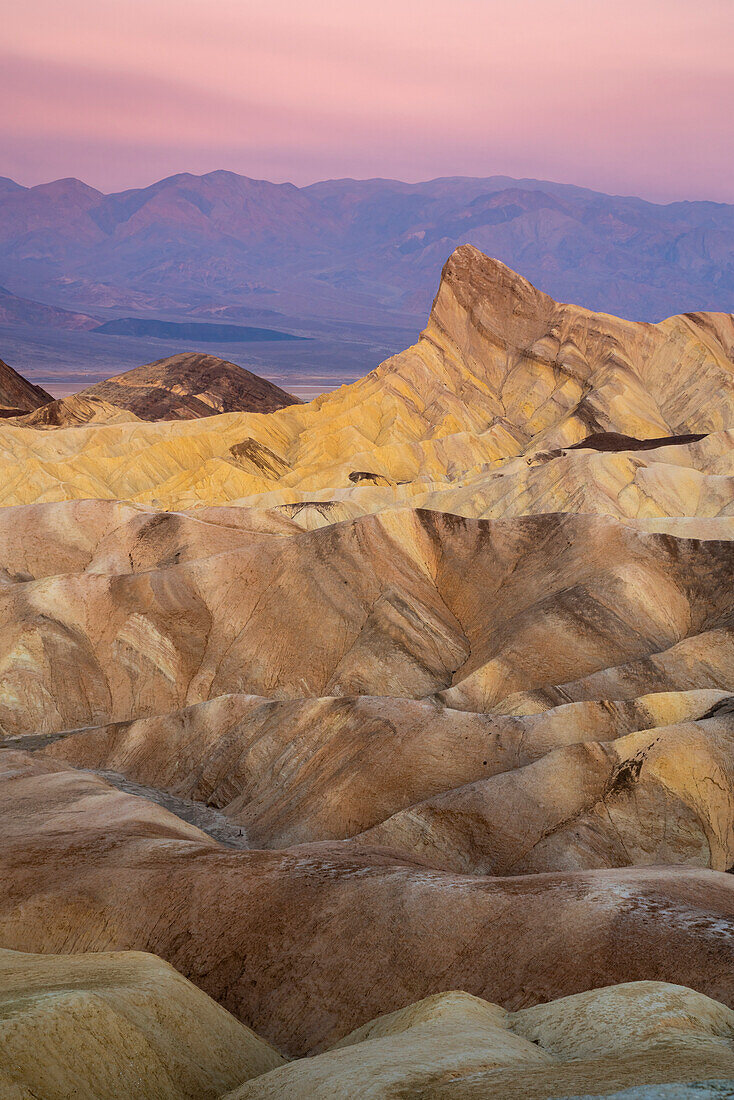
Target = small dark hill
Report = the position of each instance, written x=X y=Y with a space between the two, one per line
x=190 y=385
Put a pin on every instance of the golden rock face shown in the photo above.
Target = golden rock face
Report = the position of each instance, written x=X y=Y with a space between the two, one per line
x=425 y=686
x=501 y=379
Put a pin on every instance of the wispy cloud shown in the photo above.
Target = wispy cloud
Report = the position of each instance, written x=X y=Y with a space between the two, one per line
x=621 y=95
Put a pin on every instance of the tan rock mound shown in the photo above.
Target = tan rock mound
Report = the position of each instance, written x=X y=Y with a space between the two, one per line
x=661 y=796
x=454 y=1045
x=113 y=537
x=67 y=412
x=293 y=771
x=106 y=1026
x=404 y=604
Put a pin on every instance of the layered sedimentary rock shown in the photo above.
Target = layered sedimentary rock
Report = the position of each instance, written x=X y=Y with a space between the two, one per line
x=501 y=371
x=290 y=771
x=69 y=412
x=189 y=386
x=408 y=604
x=275 y=936
x=101 y=1026
x=425 y=686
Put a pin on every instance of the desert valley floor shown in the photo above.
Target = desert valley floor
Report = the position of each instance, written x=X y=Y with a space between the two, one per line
x=380 y=746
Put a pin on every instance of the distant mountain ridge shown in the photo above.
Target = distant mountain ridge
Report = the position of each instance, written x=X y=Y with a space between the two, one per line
x=25 y=311
x=355 y=249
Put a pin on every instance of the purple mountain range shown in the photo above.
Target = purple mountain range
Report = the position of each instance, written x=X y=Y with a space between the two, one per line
x=347 y=261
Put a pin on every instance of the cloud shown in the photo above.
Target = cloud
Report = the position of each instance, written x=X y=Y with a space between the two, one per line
x=619 y=95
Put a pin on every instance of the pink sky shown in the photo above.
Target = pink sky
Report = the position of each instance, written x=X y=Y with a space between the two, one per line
x=626 y=96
